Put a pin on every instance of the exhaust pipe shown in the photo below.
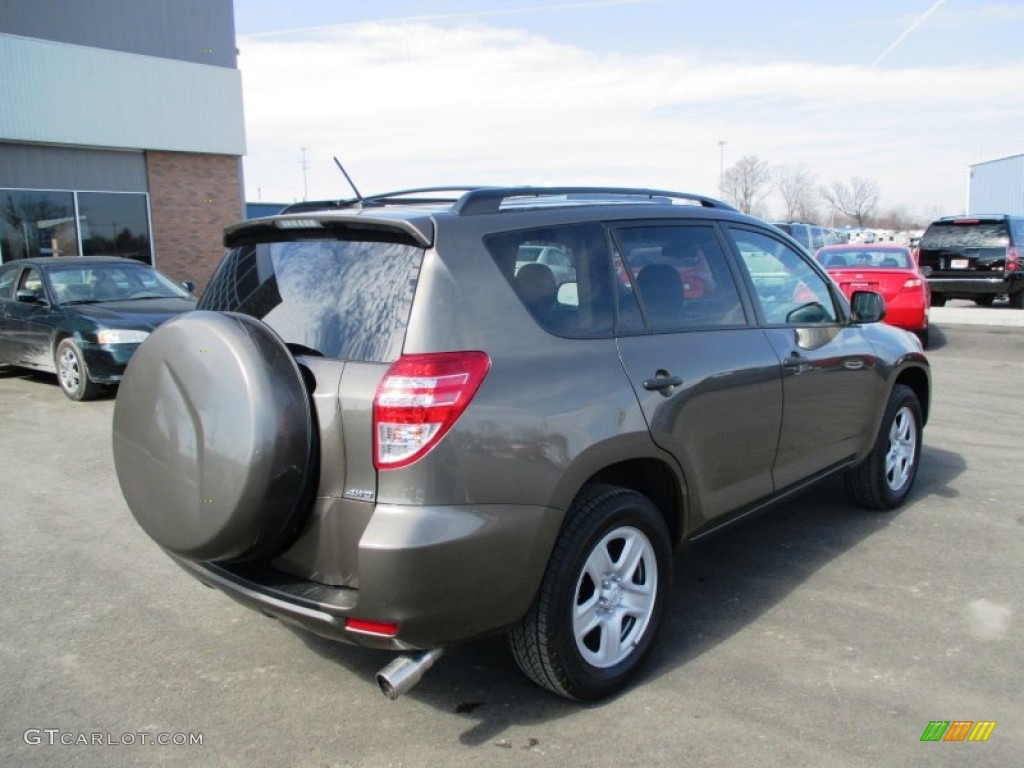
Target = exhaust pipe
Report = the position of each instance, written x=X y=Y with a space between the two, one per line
x=403 y=673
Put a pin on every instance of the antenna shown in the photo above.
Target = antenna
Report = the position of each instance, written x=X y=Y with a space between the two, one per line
x=348 y=178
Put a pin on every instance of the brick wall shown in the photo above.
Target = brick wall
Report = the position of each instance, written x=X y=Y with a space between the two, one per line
x=192 y=198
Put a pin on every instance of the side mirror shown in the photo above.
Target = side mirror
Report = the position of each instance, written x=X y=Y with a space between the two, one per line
x=189 y=285
x=868 y=307
x=29 y=296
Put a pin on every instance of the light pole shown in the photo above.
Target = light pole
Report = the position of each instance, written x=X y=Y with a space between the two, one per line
x=721 y=163
x=305 y=189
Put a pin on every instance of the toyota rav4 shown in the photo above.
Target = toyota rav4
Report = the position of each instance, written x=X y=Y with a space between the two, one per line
x=390 y=424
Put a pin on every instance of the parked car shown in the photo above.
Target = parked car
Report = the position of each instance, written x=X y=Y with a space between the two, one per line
x=82 y=318
x=889 y=270
x=377 y=428
x=974 y=257
x=810 y=236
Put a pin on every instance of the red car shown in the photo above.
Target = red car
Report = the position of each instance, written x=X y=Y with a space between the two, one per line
x=890 y=270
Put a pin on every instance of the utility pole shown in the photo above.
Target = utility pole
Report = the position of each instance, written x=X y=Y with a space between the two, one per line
x=305 y=188
x=721 y=163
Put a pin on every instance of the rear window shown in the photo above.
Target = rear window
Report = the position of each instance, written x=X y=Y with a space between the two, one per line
x=973 y=234
x=342 y=299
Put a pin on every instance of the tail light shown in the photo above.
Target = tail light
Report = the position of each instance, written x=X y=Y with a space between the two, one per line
x=1012 y=260
x=912 y=282
x=419 y=399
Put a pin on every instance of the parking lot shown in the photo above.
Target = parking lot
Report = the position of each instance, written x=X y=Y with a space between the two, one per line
x=818 y=634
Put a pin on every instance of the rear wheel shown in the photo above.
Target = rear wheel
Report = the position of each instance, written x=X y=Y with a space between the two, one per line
x=984 y=301
x=602 y=598
x=886 y=476
x=72 y=372
x=924 y=335
x=938 y=300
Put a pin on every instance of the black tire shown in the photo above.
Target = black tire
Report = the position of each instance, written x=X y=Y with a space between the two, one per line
x=1017 y=300
x=73 y=373
x=984 y=301
x=884 y=479
x=925 y=336
x=938 y=300
x=567 y=641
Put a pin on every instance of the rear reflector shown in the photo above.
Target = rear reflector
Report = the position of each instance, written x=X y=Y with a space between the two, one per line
x=419 y=399
x=1012 y=259
x=380 y=628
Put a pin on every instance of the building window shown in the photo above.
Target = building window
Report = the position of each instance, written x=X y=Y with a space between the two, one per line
x=114 y=224
x=37 y=223
x=49 y=223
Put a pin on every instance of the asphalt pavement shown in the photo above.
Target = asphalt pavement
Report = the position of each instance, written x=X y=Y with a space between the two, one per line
x=816 y=635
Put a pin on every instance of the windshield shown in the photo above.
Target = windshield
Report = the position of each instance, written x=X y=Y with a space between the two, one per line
x=97 y=283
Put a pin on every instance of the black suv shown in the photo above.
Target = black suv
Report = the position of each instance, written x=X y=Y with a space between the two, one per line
x=391 y=424
x=974 y=257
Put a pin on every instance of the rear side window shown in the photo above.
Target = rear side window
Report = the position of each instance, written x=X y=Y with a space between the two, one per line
x=561 y=275
x=680 y=276
x=342 y=299
x=968 y=234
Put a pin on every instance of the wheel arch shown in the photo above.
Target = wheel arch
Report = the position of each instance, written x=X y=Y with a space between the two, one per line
x=917 y=379
x=656 y=480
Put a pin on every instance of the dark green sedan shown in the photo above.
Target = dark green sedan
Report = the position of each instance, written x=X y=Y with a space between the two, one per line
x=82 y=318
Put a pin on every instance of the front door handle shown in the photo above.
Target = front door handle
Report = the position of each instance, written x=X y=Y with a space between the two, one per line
x=662 y=381
x=798 y=362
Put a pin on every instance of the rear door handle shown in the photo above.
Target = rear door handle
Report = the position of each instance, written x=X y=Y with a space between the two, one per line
x=662 y=381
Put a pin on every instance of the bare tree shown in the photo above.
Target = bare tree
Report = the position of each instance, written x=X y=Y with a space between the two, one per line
x=745 y=183
x=796 y=185
x=858 y=201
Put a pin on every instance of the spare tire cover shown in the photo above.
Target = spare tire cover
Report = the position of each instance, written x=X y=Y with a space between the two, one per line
x=213 y=437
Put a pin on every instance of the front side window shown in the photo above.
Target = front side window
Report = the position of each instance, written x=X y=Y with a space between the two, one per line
x=787 y=287
x=343 y=299
x=679 y=275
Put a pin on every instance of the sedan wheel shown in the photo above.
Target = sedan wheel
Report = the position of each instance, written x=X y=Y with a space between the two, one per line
x=72 y=373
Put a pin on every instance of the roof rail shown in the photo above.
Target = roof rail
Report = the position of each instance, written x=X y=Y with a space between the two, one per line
x=414 y=195
x=485 y=200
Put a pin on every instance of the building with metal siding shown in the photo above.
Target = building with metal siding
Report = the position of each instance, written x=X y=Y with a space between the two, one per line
x=122 y=130
x=997 y=186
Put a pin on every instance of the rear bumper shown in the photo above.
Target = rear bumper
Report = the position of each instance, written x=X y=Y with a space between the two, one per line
x=965 y=287
x=442 y=574
x=906 y=314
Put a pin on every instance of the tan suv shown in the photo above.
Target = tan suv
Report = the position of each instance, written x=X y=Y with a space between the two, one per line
x=388 y=425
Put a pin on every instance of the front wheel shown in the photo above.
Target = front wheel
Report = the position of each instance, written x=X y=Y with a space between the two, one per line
x=884 y=479
x=72 y=373
x=602 y=597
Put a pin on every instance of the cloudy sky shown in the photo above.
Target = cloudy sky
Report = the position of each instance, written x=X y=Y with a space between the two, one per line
x=628 y=92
